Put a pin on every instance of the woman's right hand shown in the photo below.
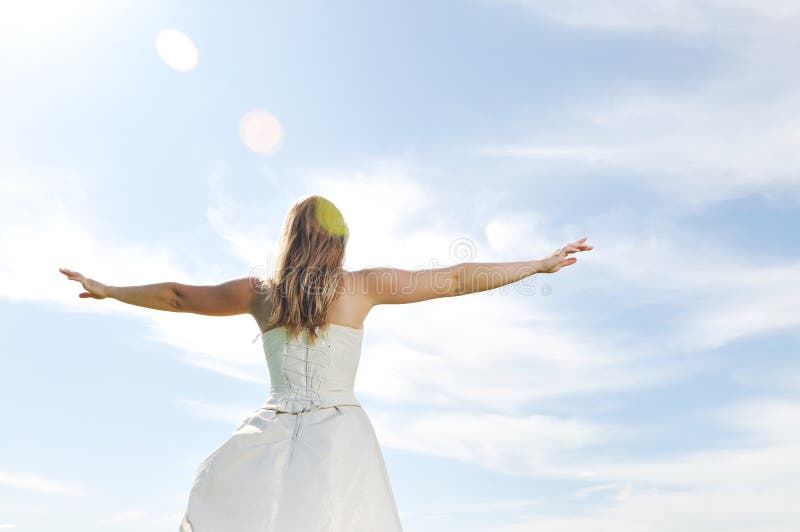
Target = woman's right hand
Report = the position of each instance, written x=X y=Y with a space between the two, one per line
x=558 y=259
x=93 y=288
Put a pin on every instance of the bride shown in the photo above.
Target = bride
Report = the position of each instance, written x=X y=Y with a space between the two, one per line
x=308 y=459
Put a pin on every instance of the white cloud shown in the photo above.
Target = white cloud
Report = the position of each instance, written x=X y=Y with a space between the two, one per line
x=8 y=509
x=40 y=484
x=438 y=510
x=526 y=444
x=764 y=420
x=620 y=491
x=717 y=296
x=778 y=378
x=48 y=222
x=514 y=365
x=731 y=134
x=716 y=17
x=247 y=239
x=706 y=145
x=733 y=507
x=125 y=516
x=382 y=202
x=225 y=413
x=223 y=344
x=519 y=234
x=748 y=484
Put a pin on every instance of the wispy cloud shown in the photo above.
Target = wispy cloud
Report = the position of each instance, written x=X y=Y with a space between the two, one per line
x=736 y=487
x=437 y=510
x=719 y=18
x=126 y=516
x=8 y=509
x=717 y=295
x=762 y=421
x=40 y=484
x=251 y=239
x=732 y=133
x=530 y=444
x=679 y=144
x=48 y=222
x=204 y=410
x=779 y=379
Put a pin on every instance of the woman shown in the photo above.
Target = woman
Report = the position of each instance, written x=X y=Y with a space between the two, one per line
x=308 y=459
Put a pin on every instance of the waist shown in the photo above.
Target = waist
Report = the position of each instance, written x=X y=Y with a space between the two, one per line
x=292 y=400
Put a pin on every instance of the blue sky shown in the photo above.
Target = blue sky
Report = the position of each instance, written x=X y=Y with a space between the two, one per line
x=651 y=386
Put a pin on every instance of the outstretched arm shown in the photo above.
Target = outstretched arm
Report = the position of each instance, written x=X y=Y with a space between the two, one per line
x=399 y=286
x=225 y=299
x=479 y=276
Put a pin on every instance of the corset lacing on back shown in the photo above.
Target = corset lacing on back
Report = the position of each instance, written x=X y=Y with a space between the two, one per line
x=308 y=376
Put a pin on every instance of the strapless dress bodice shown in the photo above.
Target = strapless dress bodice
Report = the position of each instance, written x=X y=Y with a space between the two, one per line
x=306 y=375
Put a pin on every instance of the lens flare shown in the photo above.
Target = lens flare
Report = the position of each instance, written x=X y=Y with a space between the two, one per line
x=177 y=50
x=261 y=131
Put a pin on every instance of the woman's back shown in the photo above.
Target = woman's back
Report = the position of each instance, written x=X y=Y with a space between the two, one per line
x=359 y=291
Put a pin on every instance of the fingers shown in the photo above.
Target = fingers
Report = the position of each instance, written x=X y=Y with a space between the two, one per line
x=72 y=275
x=577 y=242
x=575 y=247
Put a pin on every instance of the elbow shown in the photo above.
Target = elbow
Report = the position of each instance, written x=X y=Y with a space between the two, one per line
x=175 y=301
x=458 y=281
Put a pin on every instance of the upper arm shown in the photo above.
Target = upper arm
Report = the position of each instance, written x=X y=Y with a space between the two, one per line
x=398 y=286
x=226 y=299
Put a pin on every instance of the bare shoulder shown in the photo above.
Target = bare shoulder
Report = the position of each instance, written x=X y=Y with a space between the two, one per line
x=366 y=282
x=388 y=285
x=353 y=281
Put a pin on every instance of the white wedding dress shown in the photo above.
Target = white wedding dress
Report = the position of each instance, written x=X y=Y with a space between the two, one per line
x=308 y=460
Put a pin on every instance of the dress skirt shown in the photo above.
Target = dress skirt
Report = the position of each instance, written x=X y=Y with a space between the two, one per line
x=320 y=470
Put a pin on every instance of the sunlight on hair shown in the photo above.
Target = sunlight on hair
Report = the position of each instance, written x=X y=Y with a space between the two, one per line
x=177 y=50
x=261 y=131
x=329 y=217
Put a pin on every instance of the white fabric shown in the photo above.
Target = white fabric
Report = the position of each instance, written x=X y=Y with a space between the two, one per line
x=308 y=460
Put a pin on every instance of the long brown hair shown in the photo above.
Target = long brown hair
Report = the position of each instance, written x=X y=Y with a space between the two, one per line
x=308 y=267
